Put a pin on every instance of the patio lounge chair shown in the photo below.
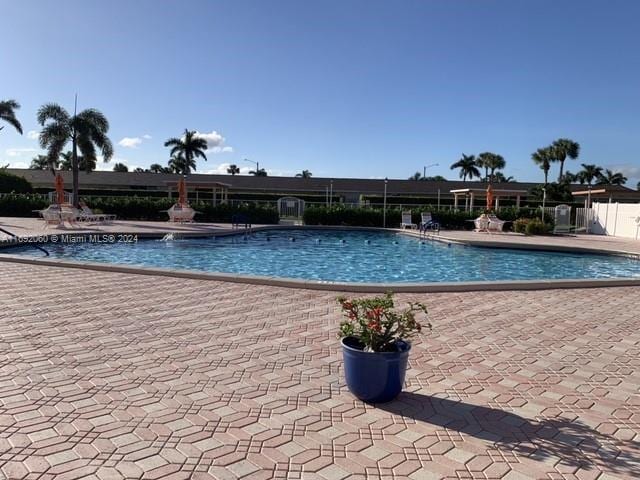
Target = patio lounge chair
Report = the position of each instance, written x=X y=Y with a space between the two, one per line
x=428 y=223
x=51 y=215
x=482 y=223
x=406 y=221
x=86 y=215
x=181 y=213
x=495 y=224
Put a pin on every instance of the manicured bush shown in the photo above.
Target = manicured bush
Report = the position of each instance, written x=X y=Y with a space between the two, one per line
x=373 y=217
x=537 y=227
x=21 y=205
x=520 y=225
x=135 y=208
x=13 y=183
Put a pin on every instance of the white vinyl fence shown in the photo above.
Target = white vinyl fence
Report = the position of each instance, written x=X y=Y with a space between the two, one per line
x=616 y=219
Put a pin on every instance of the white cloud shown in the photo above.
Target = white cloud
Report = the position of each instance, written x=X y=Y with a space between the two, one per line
x=18 y=165
x=628 y=170
x=215 y=142
x=146 y=136
x=33 y=135
x=101 y=166
x=226 y=149
x=214 y=139
x=18 y=152
x=130 y=142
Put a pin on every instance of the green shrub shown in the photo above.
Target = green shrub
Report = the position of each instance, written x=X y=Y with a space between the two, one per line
x=134 y=208
x=520 y=225
x=536 y=227
x=373 y=217
x=13 y=183
x=21 y=205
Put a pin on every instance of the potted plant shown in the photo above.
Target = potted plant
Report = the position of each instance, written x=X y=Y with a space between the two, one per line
x=375 y=345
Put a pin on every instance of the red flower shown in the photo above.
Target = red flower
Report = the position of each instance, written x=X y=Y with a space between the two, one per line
x=374 y=325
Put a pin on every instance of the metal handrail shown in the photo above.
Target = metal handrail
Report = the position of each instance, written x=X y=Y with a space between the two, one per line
x=32 y=244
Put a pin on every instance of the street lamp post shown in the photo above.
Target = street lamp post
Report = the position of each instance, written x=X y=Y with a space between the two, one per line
x=257 y=164
x=331 y=194
x=384 y=205
x=424 y=169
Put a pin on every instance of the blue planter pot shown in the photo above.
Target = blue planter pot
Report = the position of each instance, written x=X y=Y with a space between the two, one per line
x=374 y=377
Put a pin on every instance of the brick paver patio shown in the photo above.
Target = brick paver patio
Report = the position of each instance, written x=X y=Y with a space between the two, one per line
x=107 y=375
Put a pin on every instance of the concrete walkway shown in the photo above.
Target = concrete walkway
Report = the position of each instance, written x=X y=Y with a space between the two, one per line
x=119 y=376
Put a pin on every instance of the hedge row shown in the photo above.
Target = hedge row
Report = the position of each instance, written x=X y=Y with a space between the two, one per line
x=13 y=183
x=134 y=208
x=373 y=217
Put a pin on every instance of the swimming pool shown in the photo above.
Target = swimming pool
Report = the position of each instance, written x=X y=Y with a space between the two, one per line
x=346 y=256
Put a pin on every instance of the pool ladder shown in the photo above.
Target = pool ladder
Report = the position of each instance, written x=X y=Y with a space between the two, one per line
x=32 y=244
x=424 y=233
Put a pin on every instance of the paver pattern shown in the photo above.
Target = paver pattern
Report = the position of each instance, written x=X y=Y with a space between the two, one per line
x=109 y=376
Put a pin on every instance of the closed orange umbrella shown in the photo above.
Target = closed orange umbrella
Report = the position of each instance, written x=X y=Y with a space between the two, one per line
x=489 y=197
x=59 y=189
x=182 y=192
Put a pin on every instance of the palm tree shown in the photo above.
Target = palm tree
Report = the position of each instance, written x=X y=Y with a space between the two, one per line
x=495 y=162
x=500 y=178
x=233 y=169
x=8 y=114
x=120 y=167
x=156 y=168
x=569 y=177
x=261 y=172
x=304 y=174
x=611 y=178
x=190 y=147
x=179 y=164
x=416 y=176
x=589 y=173
x=437 y=178
x=564 y=148
x=86 y=130
x=483 y=162
x=41 y=162
x=139 y=170
x=67 y=162
x=543 y=158
x=467 y=166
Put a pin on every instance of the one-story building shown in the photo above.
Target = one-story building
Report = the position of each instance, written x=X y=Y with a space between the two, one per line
x=315 y=189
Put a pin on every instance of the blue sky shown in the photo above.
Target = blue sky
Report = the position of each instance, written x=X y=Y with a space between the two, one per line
x=342 y=88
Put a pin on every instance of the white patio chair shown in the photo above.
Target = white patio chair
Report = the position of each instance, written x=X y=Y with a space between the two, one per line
x=482 y=223
x=495 y=224
x=181 y=214
x=86 y=214
x=406 y=221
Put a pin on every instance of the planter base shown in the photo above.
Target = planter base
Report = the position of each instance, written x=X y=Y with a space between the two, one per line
x=374 y=377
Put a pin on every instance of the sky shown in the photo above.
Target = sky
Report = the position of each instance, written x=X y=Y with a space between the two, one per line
x=344 y=88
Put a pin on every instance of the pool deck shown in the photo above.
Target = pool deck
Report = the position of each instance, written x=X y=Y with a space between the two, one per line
x=119 y=376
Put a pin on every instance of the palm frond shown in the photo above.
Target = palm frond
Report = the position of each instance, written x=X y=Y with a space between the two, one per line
x=52 y=111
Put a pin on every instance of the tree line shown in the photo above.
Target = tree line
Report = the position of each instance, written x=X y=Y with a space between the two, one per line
x=86 y=132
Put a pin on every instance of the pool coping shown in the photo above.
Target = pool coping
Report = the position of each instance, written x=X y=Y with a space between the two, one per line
x=425 y=287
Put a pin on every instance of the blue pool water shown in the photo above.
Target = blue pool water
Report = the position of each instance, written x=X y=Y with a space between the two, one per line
x=346 y=256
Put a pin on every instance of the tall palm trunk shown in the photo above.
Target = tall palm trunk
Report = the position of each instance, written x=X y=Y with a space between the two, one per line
x=561 y=170
x=546 y=177
x=75 y=168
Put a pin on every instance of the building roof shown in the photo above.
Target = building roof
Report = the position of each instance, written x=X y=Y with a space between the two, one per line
x=100 y=179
